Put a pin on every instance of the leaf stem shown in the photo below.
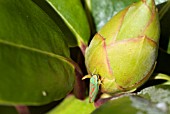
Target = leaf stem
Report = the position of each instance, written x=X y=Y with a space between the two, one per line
x=22 y=109
x=164 y=9
x=83 y=48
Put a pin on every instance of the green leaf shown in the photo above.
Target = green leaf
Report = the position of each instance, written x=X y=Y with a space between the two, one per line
x=161 y=76
x=159 y=95
x=157 y=2
x=71 y=105
x=118 y=106
x=8 y=110
x=152 y=100
x=35 y=67
x=165 y=27
x=168 y=50
x=71 y=11
x=102 y=11
x=129 y=105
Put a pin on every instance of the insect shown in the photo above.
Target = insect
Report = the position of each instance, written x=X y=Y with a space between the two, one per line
x=94 y=86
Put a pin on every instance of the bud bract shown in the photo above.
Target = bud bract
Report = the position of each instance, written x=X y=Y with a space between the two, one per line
x=123 y=53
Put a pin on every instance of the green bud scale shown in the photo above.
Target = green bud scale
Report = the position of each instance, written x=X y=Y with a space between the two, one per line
x=123 y=53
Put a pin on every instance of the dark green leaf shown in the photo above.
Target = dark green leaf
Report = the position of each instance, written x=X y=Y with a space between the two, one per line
x=168 y=51
x=8 y=110
x=102 y=11
x=152 y=100
x=160 y=95
x=118 y=106
x=165 y=27
x=35 y=67
x=71 y=11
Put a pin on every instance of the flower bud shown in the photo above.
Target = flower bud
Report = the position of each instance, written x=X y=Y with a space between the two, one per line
x=123 y=53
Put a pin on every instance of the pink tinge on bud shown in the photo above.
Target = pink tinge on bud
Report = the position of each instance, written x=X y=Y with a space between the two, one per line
x=123 y=53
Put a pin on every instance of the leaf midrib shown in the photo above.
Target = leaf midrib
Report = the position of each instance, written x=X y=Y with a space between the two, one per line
x=68 y=23
x=32 y=49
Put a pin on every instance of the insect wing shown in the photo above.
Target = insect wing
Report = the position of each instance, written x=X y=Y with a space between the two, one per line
x=94 y=88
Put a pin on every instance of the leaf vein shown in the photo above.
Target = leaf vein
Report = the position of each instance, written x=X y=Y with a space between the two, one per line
x=30 y=49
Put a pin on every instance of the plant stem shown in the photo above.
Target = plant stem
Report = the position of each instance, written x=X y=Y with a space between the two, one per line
x=164 y=9
x=22 y=109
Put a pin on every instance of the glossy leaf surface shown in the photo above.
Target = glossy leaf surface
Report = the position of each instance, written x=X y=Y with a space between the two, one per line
x=73 y=14
x=71 y=105
x=103 y=11
x=152 y=100
x=35 y=67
